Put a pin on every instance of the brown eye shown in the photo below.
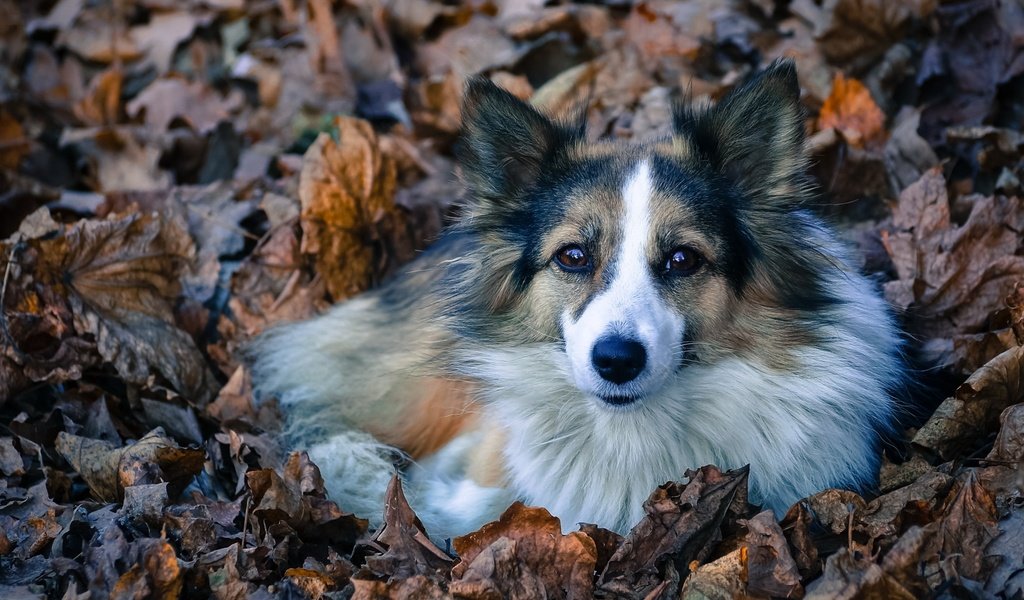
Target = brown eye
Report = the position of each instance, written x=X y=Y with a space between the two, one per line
x=572 y=259
x=683 y=261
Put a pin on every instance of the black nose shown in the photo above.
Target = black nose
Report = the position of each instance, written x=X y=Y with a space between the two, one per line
x=617 y=359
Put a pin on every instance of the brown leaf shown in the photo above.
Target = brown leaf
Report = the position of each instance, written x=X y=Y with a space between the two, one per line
x=417 y=587
x=974 y=409
x=524 y=552
x=952 y=278
x=14 y=144
x=102 y=102
x=847 y=577
x=298 y=499
x=895 y=512
x=851 y=110
x=1007 y=580
x=10 y=459
x=109 y=470
x=350 y=223
x=681 y=523
x=952 y=546
x=721 y=579
x=907 y=155
x=99 y=36
x=860 y=31
x=122 y=280
x=978 y=49
x=771 y=570
x=159 y=38
x=172 y=98
x=1015 y=302
x=409 y=550
x=796 y=525
x=121 y=158
x=1009 y=445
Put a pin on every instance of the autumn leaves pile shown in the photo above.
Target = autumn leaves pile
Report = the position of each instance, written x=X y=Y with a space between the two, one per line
x=176 y=177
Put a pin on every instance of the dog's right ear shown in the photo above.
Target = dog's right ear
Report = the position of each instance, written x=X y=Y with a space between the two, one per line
x=505 y=144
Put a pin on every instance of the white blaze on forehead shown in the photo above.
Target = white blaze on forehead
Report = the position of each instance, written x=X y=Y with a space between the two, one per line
x=630 y=306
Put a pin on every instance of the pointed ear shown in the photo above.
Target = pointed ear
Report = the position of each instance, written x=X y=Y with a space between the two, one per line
x=755 y=135
x=505 y=143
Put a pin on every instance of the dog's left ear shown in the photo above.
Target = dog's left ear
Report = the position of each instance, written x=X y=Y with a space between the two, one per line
x=505 y=144
x=755 y=135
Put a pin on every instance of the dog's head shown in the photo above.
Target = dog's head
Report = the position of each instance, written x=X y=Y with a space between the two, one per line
x=640 y=258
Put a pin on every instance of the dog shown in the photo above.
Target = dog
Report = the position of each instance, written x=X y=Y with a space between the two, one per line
x=602 y=317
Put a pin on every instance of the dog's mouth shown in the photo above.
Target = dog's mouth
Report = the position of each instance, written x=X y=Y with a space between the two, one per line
x=619 y=400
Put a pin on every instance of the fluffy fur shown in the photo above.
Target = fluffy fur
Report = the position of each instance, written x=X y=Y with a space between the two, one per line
x=477 y=368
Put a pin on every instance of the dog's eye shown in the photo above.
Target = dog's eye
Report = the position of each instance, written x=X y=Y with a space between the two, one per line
x=683 y=261
x=572 y=259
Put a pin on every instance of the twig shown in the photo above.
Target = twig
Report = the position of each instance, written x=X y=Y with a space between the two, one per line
x=8 y=338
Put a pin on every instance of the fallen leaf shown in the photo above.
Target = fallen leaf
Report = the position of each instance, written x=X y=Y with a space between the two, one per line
x=350 y=223
x=860 y=31
x=172 y=98
x=14 y=144
x=524 y=553
x=952 y=278
x=771 y=570
x=851 y=110
x=975 y=407
x=408 y=549
x=847 y=576
x=681 y=523
x=1009 y=444
x=109 y=470
x=10 y=459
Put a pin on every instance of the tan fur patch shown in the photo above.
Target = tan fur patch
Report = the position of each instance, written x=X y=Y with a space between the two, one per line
x=444 y=410
x=487 y=465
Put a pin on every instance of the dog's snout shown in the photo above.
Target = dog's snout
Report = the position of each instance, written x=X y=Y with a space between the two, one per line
x=618 y=359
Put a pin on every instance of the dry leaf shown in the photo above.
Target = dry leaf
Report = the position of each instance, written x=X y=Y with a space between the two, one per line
x=851 y=110
x=524 y=553
x=847 y=577
x=109 y=470
x=172 y=98
x=975 y=408
x=771 y=570
x=860 y=31
x=952 y=278
x=1009 y=444
x=409 y=550
x=350 y=223
x=681 y=523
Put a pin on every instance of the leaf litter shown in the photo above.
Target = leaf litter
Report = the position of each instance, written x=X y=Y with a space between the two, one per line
x=176 y=177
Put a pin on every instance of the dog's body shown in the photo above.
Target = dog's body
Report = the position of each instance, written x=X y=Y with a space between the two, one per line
x=603 y=318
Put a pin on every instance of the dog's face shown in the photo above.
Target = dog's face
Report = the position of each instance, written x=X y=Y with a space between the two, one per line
x=641 y=259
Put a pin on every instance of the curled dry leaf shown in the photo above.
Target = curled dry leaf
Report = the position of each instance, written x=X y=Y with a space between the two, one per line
x=1009 y=445
x=974 y=409
x=109 y=470
x=681 y=524
x=350 y=223
x=298 y=499
x=409 y=550
x=524 y=553
x=771 y=570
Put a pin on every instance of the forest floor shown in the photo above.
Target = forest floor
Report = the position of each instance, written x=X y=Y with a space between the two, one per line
x=177 y=176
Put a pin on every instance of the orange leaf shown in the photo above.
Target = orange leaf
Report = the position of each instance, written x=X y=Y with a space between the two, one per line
x=851 y=110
